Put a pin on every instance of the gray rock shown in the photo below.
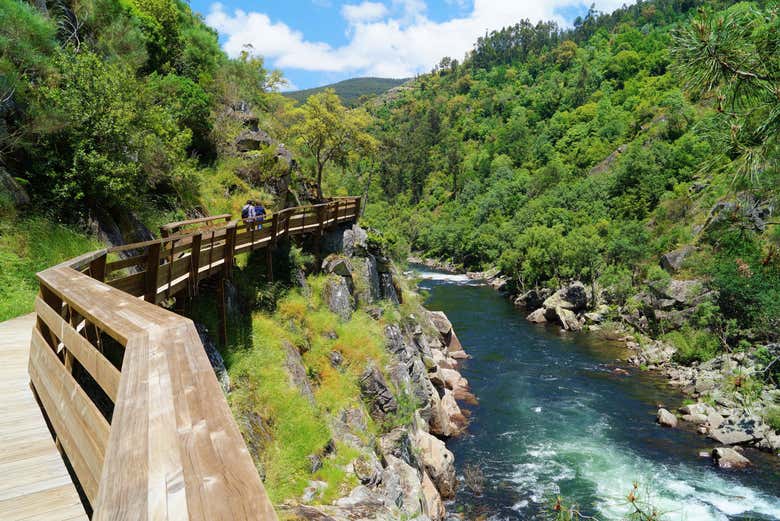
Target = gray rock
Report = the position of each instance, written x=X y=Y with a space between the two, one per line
x=698 y=419
x=730 y=437
x=673 y=261
x=537 y=317
x=355 y=242
x=297 y=372
x=532 y=299
x=367 y=468
x=567 y=319
x=313 y=491
x=336 y=294
x=402 y=487
x=377 y=394
x=367 y=289
x=441 y=322
x=727 y=458
x=387 y=288
x=665 y=418
x=336 y=359
x=338 y=265
x=573 y=297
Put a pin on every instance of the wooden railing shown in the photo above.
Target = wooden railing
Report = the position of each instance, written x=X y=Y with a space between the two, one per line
x=127 y=387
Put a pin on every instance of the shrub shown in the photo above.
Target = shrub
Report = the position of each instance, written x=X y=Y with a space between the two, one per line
x=693 y=345
x=772 y=417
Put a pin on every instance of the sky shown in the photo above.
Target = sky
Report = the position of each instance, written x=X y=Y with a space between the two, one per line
x=317 y=42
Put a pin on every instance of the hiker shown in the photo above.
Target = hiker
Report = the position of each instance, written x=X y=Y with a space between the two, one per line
x=259 y=214
x=248 y=212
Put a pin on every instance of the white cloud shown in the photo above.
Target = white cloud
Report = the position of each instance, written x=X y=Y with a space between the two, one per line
x=365 y=12
x=397 y=42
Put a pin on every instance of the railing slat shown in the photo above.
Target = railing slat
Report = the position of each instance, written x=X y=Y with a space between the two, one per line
x=97 y=365
x=81 y=429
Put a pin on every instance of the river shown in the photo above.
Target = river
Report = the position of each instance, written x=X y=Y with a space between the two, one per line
x=555 y=419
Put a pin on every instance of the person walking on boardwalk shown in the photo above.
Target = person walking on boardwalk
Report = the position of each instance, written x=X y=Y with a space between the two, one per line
x=248 y=213
x=259 y=214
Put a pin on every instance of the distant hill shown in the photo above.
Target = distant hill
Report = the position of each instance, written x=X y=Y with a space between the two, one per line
x=350 y=90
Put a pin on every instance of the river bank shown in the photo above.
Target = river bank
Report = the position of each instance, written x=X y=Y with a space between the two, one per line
x=556 y=418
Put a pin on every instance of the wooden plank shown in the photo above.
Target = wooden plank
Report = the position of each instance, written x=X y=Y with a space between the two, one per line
x=230 y=251
x=81 y=429
x=34 y=483
x=138 y=260
x=133 y=284
x=97 y=365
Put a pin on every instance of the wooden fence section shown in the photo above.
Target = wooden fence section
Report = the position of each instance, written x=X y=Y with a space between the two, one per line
x=127 y=386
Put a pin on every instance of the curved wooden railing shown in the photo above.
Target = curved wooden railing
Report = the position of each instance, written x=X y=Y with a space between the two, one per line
x=126 y=385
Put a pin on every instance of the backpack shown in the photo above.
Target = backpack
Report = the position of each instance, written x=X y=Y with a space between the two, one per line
x=245 y=211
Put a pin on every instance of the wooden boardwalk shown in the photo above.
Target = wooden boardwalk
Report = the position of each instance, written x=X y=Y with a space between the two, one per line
x=34 y=483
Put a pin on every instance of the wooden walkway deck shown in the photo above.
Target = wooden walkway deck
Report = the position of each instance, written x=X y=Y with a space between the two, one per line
x=34 y=483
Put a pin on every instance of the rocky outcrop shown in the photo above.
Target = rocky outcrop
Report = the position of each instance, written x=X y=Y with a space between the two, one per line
x=377 y=394
x=564 y=307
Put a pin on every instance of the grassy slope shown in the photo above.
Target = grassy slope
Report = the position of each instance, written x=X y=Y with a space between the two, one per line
x=350 y=90
x=29 y=245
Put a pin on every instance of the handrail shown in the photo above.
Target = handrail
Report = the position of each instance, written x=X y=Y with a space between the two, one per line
x=175 y=227
x=151 y=436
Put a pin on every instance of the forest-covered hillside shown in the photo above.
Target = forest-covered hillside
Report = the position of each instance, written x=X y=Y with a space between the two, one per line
x=588 y=153
x=350 y=91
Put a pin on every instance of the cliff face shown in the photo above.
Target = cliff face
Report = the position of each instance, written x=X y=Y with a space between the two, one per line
x=349 y=390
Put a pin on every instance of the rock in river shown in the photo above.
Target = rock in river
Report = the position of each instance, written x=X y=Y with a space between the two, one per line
x=666 y=419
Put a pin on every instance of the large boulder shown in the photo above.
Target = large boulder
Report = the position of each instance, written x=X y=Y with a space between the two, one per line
x=673 y=261
x=441 y=322
x=377 y=394
x=574 y=297
x=438 y=462
x=727 y=458
x=336 y=295
x=683 y=293
x=730 y=437
x=398 y=444
x=537 y=317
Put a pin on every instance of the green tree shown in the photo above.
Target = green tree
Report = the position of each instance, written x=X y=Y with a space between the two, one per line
x=327 y=132
x=735 y=56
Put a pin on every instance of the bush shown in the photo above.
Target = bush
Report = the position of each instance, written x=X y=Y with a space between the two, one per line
x=772 y=417
x=693 y=345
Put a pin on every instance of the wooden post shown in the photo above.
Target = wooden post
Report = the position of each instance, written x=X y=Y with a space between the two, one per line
x=336 y=214
x=152 y=269
x=197 y=239
x=97 y=268
x=170 y=269
x=357 y=209
x=230 y=250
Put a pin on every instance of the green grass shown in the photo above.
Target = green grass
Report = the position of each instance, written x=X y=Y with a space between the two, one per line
x=28 y=246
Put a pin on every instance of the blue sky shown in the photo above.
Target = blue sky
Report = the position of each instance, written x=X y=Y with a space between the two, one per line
x=315 y=42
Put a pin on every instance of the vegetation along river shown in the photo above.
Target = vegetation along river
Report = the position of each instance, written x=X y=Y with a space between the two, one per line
x=555 y=419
